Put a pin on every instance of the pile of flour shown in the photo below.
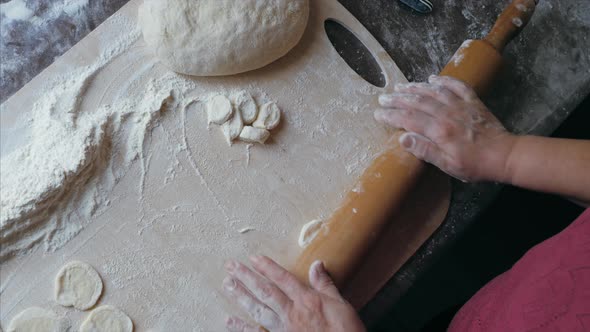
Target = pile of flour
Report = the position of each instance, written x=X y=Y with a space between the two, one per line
x=66 y=167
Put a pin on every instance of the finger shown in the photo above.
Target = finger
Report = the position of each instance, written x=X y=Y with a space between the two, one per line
x=286 y=281
x=235 y=324
x=422 y=148
x=437 y=92
x=321 y=281
x=262 y=314
x=260 y=287
x=411 y=101
x=458 y=87
x=415 y=121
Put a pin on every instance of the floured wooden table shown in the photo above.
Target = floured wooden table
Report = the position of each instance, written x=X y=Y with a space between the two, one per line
x=163 y=199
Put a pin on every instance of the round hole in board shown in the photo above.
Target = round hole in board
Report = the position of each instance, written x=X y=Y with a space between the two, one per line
x=354 y=53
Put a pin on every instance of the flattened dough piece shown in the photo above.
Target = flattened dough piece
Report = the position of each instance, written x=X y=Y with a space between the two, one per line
x=269 y=116
x=107 y=318
x=309 y=231
x=77 y=285
x=247 y=106
x=36 y=319
x=219 y=109
x=254 y=135
x=232 y=128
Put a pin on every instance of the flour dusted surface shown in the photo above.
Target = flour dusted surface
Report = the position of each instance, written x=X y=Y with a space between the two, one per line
x=158 y=218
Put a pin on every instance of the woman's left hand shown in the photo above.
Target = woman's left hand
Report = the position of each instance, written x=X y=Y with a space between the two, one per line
x=277 y=301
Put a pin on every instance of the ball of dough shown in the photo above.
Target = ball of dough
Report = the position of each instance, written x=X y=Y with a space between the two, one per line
x=222 y=37
x=77 y=285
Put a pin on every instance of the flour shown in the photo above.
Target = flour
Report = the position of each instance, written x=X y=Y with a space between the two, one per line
x=63 y=163
x=460 y=54
x=16 y=10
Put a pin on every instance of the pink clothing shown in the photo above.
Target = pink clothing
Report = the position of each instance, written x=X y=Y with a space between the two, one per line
x=548 y=289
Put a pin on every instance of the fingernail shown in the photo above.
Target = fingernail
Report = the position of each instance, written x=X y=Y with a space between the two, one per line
x=256 y=258
x=407 y=141
x=318 y=266
x=229 y=283
x=385 y=100
x=229 y=321
x=314 y=270
x=380 y=115
x=231 y=265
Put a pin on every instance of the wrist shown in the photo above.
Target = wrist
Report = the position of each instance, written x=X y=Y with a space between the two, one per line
x=504 y=156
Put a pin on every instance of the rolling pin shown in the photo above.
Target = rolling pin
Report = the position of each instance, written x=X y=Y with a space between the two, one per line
x=347 y=236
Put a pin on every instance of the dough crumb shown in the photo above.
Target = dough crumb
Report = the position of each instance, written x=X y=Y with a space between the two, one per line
x=219 y=109
x=107 y=318
x=309 y=232
x=247 y=107
x=246 y=230
x=232 y=128
x=254 y=135
x=269 y=116
x=37 y=319
x=77 y=285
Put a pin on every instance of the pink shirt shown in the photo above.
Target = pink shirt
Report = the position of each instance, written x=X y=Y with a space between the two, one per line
x=548 y=289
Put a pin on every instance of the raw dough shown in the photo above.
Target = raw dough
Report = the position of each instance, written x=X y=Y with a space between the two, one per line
x=309 y=231
x=219 y=109
x=269 y=116
x=232 y=128
x=222 y=37
x=247 y=106
x=77 y=285
x=254 y=135
x=107 y=318
x=36 y=320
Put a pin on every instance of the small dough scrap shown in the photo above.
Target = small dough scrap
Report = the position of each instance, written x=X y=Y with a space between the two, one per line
x=254 y=135
x=219 y=109
x=269 y=116
x=247 y=106
x=36 y=319
x=232 y=128
x=77 y=285
x=309 y=231
x=107 y=318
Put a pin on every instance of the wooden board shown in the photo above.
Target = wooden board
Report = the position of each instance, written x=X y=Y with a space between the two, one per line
x=160 y=252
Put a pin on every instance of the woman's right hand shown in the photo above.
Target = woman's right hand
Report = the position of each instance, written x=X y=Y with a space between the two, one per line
x=449 y=126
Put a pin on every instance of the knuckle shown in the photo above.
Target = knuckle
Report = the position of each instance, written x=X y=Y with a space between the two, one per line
x=285 y=278
x=267 y=291
x=312 y=300
x=444 y=131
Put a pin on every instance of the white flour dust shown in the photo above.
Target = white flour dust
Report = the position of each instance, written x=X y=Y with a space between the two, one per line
x=64 y=161
x=16 y=10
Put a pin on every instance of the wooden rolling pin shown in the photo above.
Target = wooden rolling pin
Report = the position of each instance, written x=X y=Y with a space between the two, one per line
x=348 y=235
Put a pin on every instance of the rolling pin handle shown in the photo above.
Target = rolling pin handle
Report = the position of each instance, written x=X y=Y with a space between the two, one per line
x=510 y=23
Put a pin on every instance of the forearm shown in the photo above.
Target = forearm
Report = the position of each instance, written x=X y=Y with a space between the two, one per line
x=559 y=166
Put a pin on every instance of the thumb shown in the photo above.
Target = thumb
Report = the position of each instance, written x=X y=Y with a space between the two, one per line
x=321 y=281
x=422 y=148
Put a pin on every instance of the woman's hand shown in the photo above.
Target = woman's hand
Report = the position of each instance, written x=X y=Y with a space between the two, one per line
x=277 y=301
x=448 y=126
